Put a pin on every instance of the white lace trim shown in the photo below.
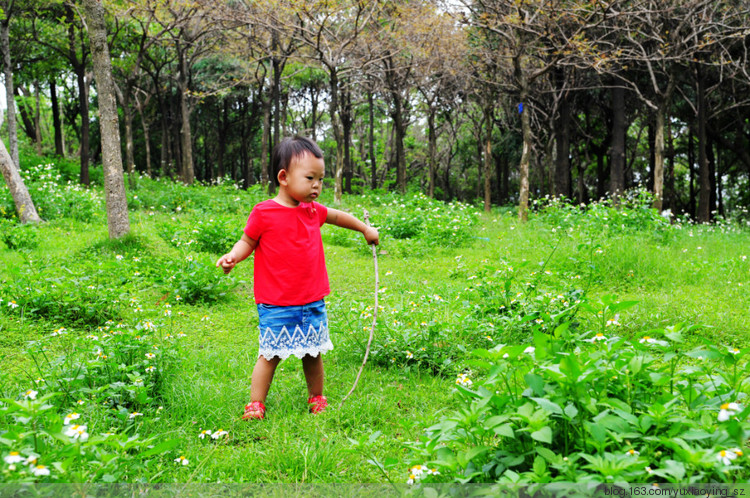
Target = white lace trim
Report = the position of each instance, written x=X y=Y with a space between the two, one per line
x=298 y=343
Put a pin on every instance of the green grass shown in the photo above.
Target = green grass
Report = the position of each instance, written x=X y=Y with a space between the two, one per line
x=696 y=275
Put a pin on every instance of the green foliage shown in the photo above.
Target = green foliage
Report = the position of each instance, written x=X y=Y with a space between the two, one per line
x=633 y=212
x=588 y=377
x=81 y=419
x=17 y=236
x=597 y=407
x=56 y=197
x=425 y=220
x=194 y=279
x=67 y=292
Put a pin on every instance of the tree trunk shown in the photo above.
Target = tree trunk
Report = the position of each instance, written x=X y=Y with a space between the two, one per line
x=313 y=110
x=79 y=67
x=146 y=134
x=488 y=123
x=333 y=108
x=691 y=170
x=346 y=126
x=186 y=135
x=669 y=193
x=562 y=141
x=114 y=184
x=371 y=139
x=21 y=198
x=617 y=150
x=56 y=123
x=166 y=144
x=83 y=109
x=704 y=197
x=659 y=119
x=712 y=172
x=523 y=205
x=400 y=133
x=129 y=156
x=37 y=120
x=9 y=93
x=222 y=138
x=431 y=150
x=265 y=172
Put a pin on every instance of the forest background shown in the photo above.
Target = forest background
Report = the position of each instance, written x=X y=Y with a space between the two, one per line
x=488 y=101
x=603 y=341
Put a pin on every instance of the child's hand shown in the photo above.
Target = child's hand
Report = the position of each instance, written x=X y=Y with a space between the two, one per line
x=372 y=236
x=227 y=263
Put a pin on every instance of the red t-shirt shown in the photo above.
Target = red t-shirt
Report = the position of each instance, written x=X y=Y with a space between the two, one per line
x=290 y=267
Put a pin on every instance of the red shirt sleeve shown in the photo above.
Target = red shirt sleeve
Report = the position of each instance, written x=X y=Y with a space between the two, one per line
x=322 y=212
x=254 y=227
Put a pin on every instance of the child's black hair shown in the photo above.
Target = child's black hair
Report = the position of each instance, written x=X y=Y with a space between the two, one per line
x=288 y=149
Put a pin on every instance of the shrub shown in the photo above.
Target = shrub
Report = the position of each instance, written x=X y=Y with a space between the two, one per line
x=17 y=236
x=79 y=421
x=195 y=279
x=595 y=407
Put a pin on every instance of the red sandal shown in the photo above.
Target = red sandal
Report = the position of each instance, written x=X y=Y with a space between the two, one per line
x=317 y=403
x=254 y=410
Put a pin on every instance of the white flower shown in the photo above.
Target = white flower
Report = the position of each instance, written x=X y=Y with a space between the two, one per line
x=646 y=339
x=409 y=354
x=30 y=394
x=726 y=456
x=77 y=432
x=59 y=331
x=39 y=470
x=92 y=337
x=150 y=356
x=182 y=460
x=80 y=402
x=204 y=318
x=734 y=350
x=463 y=380
x=632 y=452
x=12 y=304
x=613 y=321
x=728 y=410
x=150 y=369
x=70 y=417
x=203 y=434
x=598 y=337
x=13 y=457
x=119 y=257
x=219 y=433
x=135 y=414
x=529 y=350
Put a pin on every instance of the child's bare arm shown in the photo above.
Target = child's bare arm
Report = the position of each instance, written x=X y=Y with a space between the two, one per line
x=345 y=220
x=241 y=250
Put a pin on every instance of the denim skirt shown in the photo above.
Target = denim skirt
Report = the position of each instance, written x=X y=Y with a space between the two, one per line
x=293 y=330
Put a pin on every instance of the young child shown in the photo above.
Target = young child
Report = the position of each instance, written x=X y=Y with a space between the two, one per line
x=290 y=272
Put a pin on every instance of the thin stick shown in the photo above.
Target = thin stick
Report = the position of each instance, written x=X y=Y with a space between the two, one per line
x=374 y=313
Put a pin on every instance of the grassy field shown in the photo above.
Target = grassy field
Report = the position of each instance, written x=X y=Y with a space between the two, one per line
x=435 y=290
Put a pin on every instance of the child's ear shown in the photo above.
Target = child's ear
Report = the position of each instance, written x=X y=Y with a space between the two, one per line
x=282 y=177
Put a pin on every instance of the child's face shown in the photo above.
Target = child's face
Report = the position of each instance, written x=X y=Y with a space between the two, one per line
x=303 y=180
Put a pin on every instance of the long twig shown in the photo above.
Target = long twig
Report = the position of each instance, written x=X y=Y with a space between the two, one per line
x=374 y=313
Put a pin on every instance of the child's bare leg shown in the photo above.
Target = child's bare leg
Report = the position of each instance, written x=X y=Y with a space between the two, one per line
x=313 y=368
x=262 y=377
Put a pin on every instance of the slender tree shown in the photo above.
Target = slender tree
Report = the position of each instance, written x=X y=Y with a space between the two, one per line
x=114 y=184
